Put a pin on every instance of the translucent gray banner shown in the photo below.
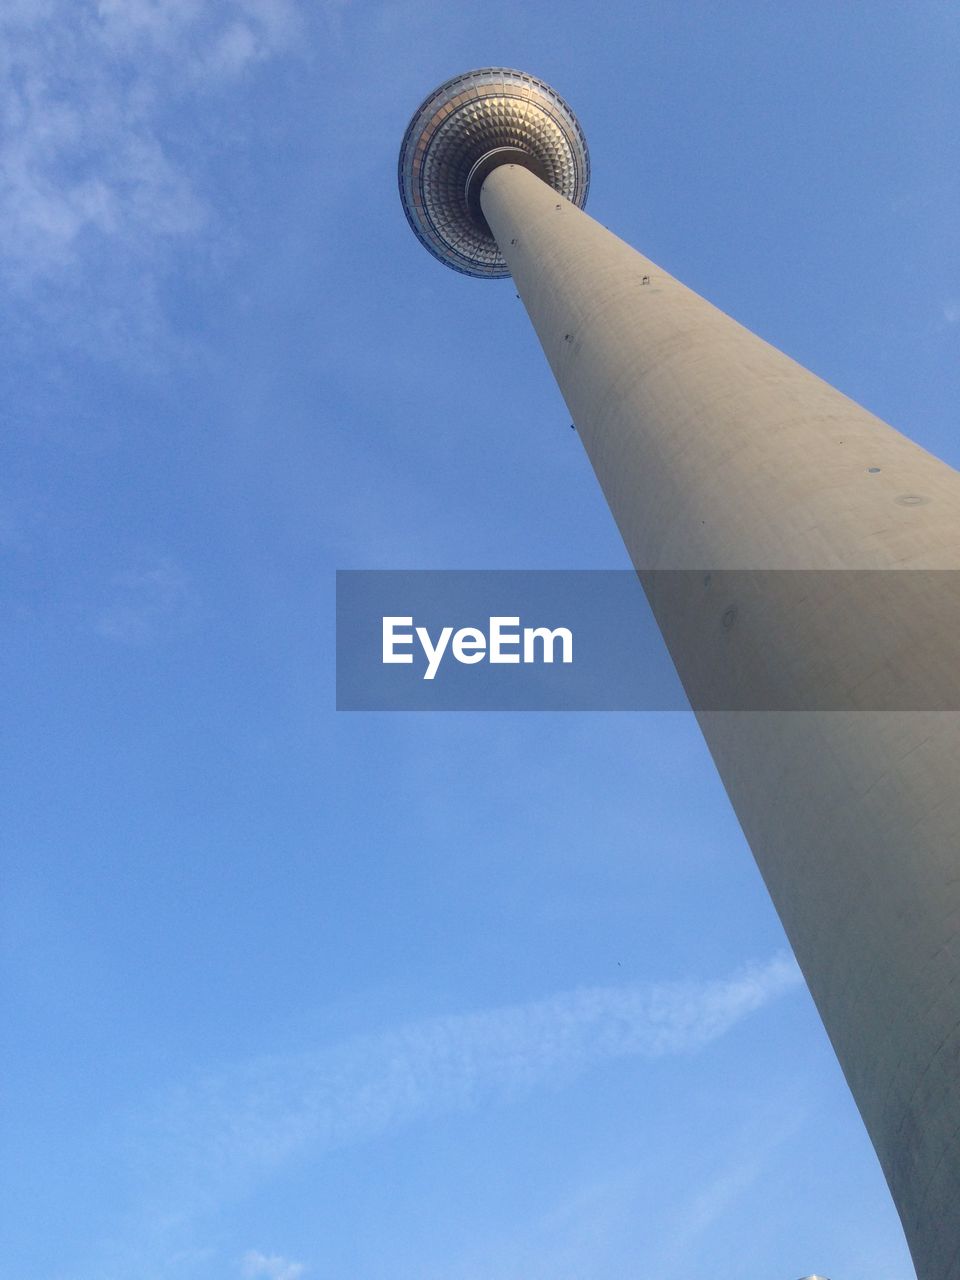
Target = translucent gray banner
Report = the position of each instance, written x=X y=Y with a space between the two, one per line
x=659 y=640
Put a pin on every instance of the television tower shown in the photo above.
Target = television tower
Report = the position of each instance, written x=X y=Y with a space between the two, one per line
x=719 y=454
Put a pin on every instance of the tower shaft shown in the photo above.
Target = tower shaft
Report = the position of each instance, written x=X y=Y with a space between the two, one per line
x=717 y=452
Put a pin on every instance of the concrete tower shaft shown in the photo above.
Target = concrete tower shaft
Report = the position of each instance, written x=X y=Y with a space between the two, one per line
x=714 y=450
x=717 y=452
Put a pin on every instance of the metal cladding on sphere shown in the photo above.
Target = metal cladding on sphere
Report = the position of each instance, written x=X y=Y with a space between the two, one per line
x=459 y=134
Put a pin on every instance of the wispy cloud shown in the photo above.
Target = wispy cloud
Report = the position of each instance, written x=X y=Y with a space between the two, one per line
x=258 y=1266
x=213 y=1136
x=211 y=38
x=951 y=311
x=99 y=180
x=148 y=603
x=197 y=1147
x=592 y=1230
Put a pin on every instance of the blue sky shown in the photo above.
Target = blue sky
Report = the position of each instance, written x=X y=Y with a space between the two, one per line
x=297 y=994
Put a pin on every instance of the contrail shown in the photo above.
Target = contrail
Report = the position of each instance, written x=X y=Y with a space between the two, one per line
x=232 y=1126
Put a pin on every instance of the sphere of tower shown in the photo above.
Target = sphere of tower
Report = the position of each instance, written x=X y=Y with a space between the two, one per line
x=461 y=131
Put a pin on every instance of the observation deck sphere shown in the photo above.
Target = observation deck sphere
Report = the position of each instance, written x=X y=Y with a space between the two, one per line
x=449 y=148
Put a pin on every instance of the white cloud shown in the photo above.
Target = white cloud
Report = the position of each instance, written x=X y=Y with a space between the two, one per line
x=103 y=106
x=201 y=1145
x=221 y=1132
x=951 y=311
x=258 y=1266
x=195 y=33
